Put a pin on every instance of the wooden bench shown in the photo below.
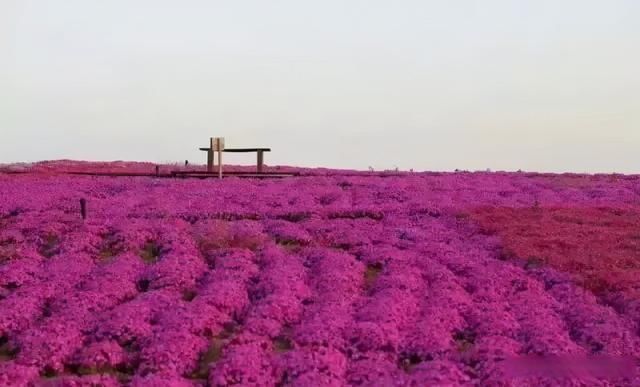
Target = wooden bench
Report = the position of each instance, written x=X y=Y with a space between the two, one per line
x=259 y=151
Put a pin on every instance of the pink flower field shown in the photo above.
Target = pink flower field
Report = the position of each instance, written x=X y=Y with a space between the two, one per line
x=332 y=278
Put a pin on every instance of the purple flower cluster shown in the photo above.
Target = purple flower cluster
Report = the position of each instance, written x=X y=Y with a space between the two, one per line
x=326 y=279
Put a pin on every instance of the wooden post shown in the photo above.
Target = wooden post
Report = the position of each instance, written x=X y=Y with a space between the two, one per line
x=83 y=208
x=210 y=156
x=260 y=161
x=219 y=148
x=157 y=170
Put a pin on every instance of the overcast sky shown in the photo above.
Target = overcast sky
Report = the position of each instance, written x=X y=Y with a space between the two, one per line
x=430 y=85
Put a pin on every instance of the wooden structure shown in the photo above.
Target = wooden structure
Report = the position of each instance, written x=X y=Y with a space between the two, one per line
x=219 y=147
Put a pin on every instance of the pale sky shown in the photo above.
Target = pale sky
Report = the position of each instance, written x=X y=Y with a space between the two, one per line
x=431 y=85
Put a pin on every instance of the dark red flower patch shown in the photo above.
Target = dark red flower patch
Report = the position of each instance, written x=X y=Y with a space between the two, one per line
x=600 y=246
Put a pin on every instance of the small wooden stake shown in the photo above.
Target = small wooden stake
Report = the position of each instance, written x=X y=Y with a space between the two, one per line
x=157 y=170
x=83 y=208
